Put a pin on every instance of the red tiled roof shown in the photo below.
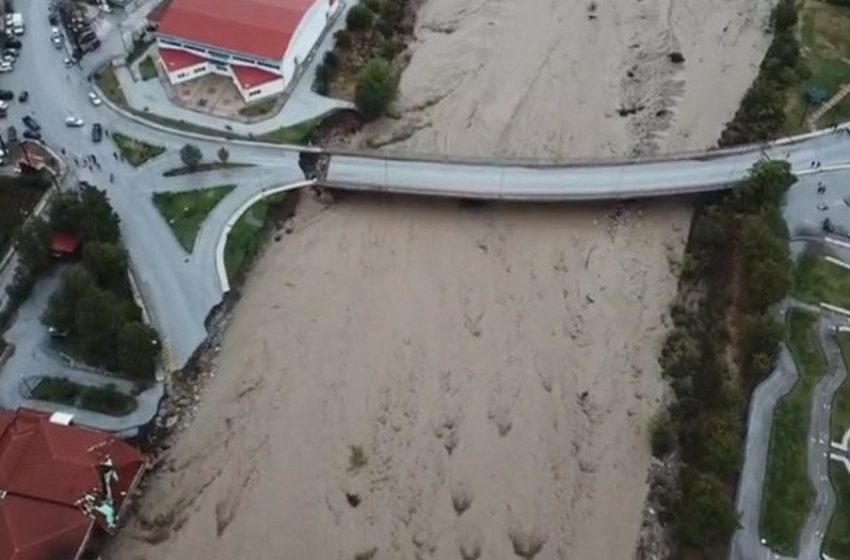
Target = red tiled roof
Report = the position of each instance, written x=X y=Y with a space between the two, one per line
x=176 y=59
x=34 y=530
x=262 y=28
x=250 y=77
x=64 y=243
x=47 y=471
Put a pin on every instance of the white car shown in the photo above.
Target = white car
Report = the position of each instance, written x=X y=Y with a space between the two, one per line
x=95 y=100
x=10 y=58
x=57 y=42
x=3 y=107
x=68 y=62
x=75 y=122
x=6 y=67
x=54 y=32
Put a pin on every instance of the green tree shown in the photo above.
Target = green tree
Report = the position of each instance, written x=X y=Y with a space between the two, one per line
x=722 y=444
x=87 y=214
x=107 y=262
x=33 y=246
x=376 y=88
x=191 y=155
x=62 y=306
x=706 y=513
x=359 y=18
x=662 y=432
x=98 y=319
x=138 y=348
x=223 y=155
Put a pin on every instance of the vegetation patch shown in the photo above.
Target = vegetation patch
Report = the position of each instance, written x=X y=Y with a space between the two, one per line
x=104 y=400
x=788 y=495
x=134 y=151
x=186 y=211
x=108 y=83
x=248 y=234
x=147 y=68
x=725 y=340
x=18 y=197
x=836 y=542
x=817 y=280
x=300 y=133
x=840 y=420
x=204 y=167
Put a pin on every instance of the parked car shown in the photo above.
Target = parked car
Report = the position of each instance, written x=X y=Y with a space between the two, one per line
x=24 y=96
x=6 y=95
x=57 y=42
x=12 y=43
x=12 y=135
x=822 y=206
x=10 y=58
x=96 y=133
x=6 y=67
x=53 y=18
x=32 y=134
x=74 y=122
x=68 y=62
x=31 y=123
x=57 y=333
x=95 y=100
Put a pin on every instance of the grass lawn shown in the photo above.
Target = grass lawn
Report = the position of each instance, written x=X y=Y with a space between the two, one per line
x=135 y=151
x=296 y=134
x=788 y=494
x=108 y=84
x=186 y=211
x=817 y=280
x=105 y=400
x=202 y=167
x=246 y=237
x=18 y=197
x=836 y=542
x=258 y=109
x=824 y=32
x=147 y=68
x=840 y=420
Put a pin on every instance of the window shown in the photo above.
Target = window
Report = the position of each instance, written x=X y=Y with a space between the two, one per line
x=181 y=75
x=255 y=92
x=199 y=70
x=218 y=54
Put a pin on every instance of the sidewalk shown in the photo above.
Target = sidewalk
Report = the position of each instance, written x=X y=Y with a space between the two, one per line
x=303 y=103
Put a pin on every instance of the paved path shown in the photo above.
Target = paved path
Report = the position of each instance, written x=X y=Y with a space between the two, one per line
x=823 y=109
x=35 y=357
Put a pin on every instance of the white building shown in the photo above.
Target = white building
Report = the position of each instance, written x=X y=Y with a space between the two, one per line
x=259 y=44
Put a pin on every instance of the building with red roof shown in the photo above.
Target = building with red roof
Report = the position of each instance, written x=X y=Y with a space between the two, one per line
x=58 y=484
x=260 y=44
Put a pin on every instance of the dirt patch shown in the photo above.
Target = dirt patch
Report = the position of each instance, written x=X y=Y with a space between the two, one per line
x=412 y=378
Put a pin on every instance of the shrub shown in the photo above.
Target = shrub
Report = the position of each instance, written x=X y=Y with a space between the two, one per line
x=359 y=18
x=343 y=39
x=191 y=155
x=375 y=6
x=330 y=60
x=662 y=434
x=377 y=86
x=223 y=155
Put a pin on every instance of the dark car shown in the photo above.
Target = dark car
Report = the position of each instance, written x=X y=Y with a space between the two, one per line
x=31 y=123
x=7 y=95
x=12 y=43
x=12 y=135
x=53 y=18
x=24 y=96
x=32 y=134
x=96 y=132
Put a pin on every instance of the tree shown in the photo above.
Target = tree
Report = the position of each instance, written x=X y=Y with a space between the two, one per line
x=33 y=246
x=706 y=514
x=359 y=18
x=61 y=309
x=98 y=319
x=662 y=434
x=223 y=155
x=107 y=263
x=87 y=214
x=377 y=86
x=191 y=155
x=722 y=444
x=138 y=347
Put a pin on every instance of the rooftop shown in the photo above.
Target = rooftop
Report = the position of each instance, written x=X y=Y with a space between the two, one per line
x=176 y=59
x=262 y=28
x=250 y=77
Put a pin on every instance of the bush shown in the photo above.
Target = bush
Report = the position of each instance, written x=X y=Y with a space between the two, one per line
x=330 y=60
x=377 y=87
x=191 y=155
x=375 y=6
x=343 y=39
x=662 y=434
x=359 y=18
x=223 y=155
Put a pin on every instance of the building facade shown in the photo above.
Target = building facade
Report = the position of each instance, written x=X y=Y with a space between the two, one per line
x=260 y=45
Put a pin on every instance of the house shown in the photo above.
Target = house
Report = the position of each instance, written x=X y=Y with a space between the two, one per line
x=59 y=483
x=259 y=44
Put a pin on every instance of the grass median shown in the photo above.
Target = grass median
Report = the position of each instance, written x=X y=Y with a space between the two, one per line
x=135 y=151
x=788 y=495
x=836 y=542
x=817 y=280
x=108 y=83
x=185 y=212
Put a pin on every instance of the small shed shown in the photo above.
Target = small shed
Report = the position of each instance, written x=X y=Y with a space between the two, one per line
x=65 y=245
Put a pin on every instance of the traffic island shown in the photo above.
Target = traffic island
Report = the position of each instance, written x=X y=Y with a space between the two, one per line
x=185 y=212
x=817 y=279
x=135 y=152
x=103 y=400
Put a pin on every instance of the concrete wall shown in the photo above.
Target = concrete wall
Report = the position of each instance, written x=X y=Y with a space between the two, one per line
x=307 y=34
